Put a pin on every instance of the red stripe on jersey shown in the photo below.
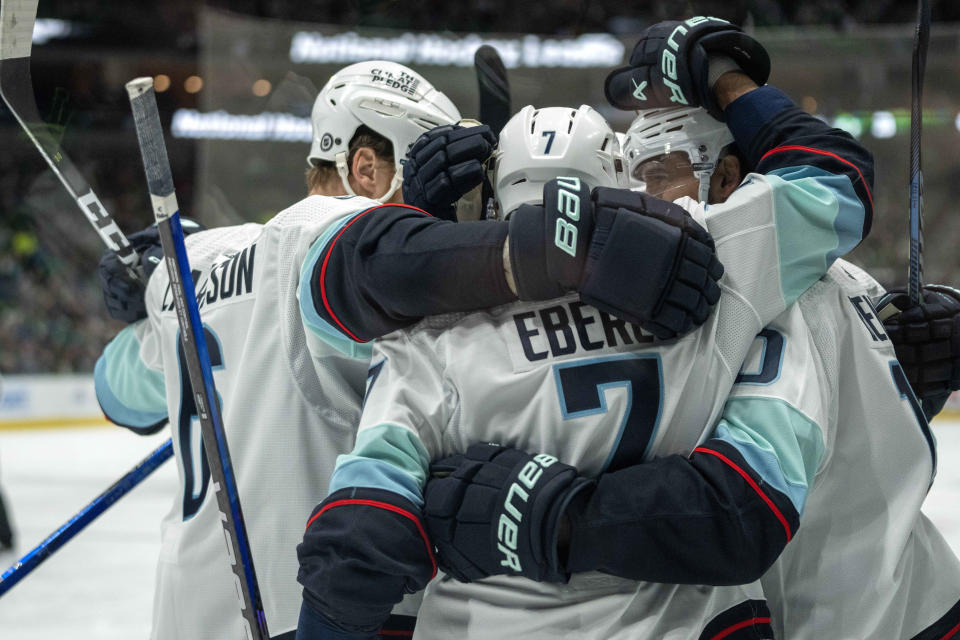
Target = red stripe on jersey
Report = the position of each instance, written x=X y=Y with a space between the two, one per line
x=753 y=485
x=326 y=259
x=388 y=507
x=952 y=632
x=740 y=625
x=794 y=147
x=405 y=634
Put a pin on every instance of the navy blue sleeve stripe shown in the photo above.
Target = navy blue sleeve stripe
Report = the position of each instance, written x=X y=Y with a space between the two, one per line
x=778 y=505
x=707 y=519
x=749 y=620
x=326 y=260
x=362 y=556
x=795 y=155
x=946 y=627
x=398 y=626
x=766 y=120
x=389 y=507
x=386 y=271
x=860 y=179
x=753 y=485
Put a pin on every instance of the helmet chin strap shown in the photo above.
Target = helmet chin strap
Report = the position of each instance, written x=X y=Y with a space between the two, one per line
x=344 y=172
x=704 y=193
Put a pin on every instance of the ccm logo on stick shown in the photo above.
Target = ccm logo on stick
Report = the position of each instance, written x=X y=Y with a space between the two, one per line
x=568 y=204
x=511 y=516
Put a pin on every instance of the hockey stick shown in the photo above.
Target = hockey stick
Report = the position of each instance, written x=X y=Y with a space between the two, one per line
x=146 y=119
x=17 y=18
x=494 y=91
x=920 y=42
x=85 y=516
x=494 y=88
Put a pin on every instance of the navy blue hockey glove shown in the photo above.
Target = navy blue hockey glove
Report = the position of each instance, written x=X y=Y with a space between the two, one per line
x=494 y=510
x=362 y=551
x=927 y=342
x=639 y=258
x=444 y=164
x=122 y=295
x=669 y=65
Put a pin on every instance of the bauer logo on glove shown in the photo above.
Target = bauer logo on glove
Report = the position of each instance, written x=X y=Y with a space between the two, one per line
x=669 y=64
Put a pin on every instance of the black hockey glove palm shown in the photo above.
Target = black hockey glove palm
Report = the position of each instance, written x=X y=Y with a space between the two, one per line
x=493 y=511
x=639 y=258
x=927 y=342
x=669 y=65
x=444 y=164
x=122 y=295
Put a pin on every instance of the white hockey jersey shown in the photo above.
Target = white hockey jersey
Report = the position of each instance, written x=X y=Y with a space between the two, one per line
x=563 y=378
x=290 y=403
x=865 y=562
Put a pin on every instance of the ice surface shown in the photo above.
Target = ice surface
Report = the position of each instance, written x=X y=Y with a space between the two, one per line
x=100 y=585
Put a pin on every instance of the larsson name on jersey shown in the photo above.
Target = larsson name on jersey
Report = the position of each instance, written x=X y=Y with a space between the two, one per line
x=572 y=327
x=224 y=280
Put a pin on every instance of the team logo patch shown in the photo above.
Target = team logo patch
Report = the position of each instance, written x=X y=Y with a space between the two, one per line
x=326 y=142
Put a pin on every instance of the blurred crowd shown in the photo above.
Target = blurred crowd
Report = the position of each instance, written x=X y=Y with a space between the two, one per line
x=51 y=312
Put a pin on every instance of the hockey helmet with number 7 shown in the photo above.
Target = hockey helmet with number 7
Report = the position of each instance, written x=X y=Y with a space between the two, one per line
x=537 y=145
x=389 y=98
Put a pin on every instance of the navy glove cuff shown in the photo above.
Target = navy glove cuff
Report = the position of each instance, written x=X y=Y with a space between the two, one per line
x=528 y=255
x=316 y=626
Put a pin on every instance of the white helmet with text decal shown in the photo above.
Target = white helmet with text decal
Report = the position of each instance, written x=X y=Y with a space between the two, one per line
x=389 y=98
x=657 y=133
x=537 y=145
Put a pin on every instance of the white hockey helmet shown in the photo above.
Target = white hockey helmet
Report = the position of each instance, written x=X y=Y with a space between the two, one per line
x=393 y=100
x=659 y=132
x=537 y=145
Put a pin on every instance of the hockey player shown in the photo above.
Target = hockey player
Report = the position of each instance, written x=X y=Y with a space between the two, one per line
x=865 y=562
x=536 y=376
x=290 y=401
x=290 y=384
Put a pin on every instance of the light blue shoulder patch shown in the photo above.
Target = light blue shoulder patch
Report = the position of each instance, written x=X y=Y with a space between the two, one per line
x=387 y=457
x=782 y=445
x=819 y=219
x=308 y=306
x=128 y=391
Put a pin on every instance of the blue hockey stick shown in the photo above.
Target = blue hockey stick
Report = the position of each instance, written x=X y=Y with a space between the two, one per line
x=146 y=119
x=920 y=42
x=88 y=514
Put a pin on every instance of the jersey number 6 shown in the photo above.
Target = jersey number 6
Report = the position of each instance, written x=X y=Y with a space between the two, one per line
x=193 y=456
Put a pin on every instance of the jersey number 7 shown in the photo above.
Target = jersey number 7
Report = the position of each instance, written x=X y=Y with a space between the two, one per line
x=581 y=386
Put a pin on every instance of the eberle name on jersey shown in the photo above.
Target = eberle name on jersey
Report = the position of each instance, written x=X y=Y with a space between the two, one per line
x=561 y=329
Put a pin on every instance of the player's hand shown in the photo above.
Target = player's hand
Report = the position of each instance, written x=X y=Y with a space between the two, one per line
x=122 y=294
x=927 y=342
x=669 y=65
x=444 y=164
x=493 y=511
x=639 y=258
